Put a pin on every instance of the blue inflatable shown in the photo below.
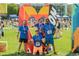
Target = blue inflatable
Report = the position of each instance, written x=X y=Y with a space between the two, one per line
x=75 y=18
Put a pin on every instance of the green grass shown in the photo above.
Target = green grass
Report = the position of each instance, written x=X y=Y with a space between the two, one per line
x=63 y=45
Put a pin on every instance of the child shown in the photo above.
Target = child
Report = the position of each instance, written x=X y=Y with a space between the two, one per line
x=37 y=38
x=40 y=26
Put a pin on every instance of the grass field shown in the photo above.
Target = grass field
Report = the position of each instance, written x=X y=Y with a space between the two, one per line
x=63 y=45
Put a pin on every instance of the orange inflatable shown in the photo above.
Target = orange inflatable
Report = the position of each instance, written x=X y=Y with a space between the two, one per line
x=2 y=47
x=25 y=12
x=76 y=39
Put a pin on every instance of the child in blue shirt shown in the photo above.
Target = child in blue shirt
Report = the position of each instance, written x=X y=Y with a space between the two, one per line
x=40 y=26
x=37 y=39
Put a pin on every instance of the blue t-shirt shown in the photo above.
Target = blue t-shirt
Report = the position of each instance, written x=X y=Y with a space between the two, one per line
x=39 y=26
x=37 y=40
x=49 y=30
x=23 y=32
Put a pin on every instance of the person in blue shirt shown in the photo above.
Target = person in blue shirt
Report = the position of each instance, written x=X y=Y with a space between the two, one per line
x=49 y=30
x=40 y=26
x=37 y=39
x=23 y=31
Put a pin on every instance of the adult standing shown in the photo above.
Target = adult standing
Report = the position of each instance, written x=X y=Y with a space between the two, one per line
x=23 y=31
x=49 y=30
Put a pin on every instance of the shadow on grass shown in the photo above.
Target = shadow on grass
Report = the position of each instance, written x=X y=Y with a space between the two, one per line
x=76 y=53
x=21 y=54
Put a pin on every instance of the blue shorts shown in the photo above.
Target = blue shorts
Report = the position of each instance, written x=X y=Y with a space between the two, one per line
x=49 y=41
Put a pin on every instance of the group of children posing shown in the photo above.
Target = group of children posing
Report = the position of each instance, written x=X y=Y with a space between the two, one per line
x=44 y=33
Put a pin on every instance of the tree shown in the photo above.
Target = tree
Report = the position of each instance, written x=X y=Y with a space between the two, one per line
x=12 y=9
x=3 y=8
x=69 y=9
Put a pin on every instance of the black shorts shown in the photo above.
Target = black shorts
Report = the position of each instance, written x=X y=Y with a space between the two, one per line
x=23 y=40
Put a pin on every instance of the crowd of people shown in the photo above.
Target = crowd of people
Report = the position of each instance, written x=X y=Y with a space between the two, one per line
x=61 y=25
